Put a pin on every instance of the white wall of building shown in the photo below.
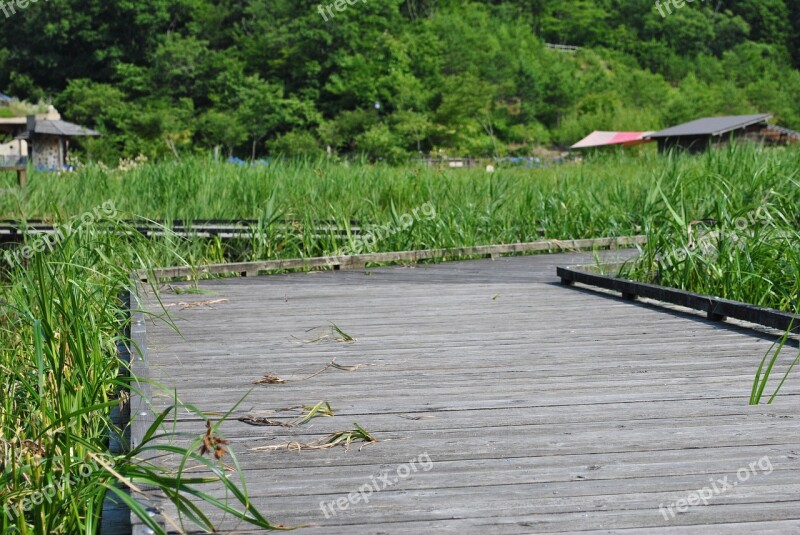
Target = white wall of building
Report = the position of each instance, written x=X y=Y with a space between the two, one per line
x=14 y=148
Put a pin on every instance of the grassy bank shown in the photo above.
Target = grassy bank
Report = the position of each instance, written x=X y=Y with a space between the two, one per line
x=723 y=223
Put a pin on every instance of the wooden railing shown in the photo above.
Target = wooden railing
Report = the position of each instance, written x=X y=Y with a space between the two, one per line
x=716 y=308
x=249 y=269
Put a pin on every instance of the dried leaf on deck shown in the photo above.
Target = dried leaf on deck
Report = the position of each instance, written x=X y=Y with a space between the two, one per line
x=255 y=420
x=269 y=380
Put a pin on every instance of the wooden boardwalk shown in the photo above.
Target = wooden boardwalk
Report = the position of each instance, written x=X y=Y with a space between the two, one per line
x=526 y=406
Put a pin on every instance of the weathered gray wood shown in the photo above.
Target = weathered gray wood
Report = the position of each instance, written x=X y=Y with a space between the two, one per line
x=359 y=261
x=508 y=526
x=544 y=409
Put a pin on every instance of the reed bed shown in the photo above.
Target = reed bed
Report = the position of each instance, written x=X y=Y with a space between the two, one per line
x=60 y=327
x=724 y=223
x=470 y=206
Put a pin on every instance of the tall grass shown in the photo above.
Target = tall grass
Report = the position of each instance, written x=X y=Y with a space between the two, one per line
x=678 y=201
x=726 y=224
x=60 y=319
x=60 y=323
x=472 y=206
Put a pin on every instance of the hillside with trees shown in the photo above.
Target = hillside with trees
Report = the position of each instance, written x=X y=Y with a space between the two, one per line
x=393 y=79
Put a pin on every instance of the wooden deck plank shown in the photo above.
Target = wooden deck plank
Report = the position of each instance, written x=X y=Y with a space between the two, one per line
x=544 y=409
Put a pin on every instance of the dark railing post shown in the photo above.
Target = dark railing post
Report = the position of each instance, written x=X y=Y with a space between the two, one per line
x=131 y=418
x=31 y=124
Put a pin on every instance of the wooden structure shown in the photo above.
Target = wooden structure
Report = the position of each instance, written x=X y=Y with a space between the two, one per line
x=599 y=139
x=773 y=134
x=18 y=164
x=251 y=269
x=451 y=163
x=48 y=141
x=542 y=409
x=562 y=48
x=38 y=140
x=13 y=152
x=703 y=134
x=716 y=308
x=225 y=230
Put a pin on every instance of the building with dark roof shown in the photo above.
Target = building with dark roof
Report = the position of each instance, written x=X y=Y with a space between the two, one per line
x=48 y=141
x=703 y=134
x=42 y=140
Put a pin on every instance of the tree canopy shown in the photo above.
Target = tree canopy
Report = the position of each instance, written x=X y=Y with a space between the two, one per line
x=395 y=78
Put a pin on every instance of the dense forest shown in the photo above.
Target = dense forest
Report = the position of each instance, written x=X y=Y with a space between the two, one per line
x=393 y=79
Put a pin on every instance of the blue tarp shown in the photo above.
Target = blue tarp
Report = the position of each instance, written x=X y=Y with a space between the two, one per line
x=239 y=161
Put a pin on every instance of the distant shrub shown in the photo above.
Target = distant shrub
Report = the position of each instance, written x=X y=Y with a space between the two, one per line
x=295 y=143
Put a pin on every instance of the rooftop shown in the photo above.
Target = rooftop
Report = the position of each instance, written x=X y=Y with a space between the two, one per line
x=602 y=139
x=62 y=128
x=49 y=123
x=712 y=126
